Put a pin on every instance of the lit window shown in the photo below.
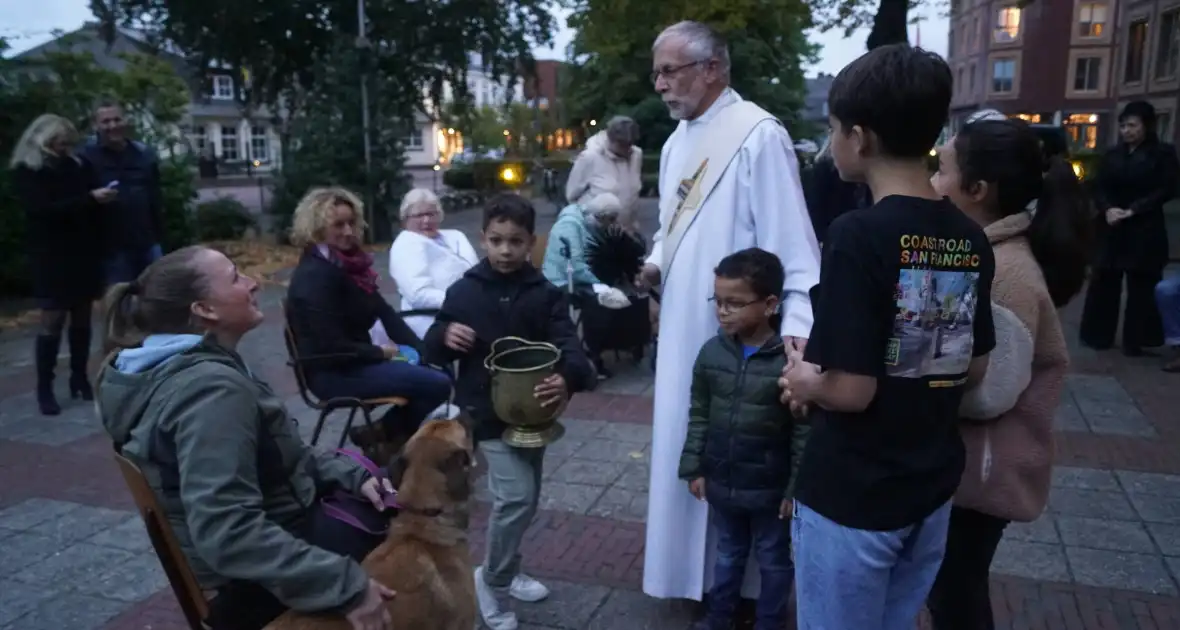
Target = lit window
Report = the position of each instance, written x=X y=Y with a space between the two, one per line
x=1092 y=19
x=1007 y=24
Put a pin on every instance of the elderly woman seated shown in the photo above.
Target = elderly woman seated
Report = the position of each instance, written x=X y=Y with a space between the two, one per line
x=591 y=253
x=425 y=260
x=333 y=301
x=237 y=483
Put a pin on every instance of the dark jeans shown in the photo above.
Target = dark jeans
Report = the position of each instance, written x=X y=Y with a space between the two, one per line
x=125 y=265
x=738 y=531
x=961 y=597
x=424 y=387
x=1142 y=327
x=248 y=606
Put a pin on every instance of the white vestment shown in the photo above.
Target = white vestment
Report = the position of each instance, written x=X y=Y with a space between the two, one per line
x=758 y=202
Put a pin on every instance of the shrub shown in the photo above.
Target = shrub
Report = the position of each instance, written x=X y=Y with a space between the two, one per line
x=224 y=218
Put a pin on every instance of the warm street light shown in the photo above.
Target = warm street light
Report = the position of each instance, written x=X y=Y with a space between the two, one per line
x=450 y=132
x=508 y=174
x=505 y=132
x=593 y=122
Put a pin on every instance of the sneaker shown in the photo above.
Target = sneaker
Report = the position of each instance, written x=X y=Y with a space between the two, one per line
x=489 y=605
x=527 y=589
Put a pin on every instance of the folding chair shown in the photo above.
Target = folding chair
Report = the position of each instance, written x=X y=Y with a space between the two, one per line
x=180 y=574
x=328 y=405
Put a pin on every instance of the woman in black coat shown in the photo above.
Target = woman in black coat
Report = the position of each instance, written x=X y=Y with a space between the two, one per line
x=827 y=195
x=1134 y=181
x=333 y=301
x=63 y=216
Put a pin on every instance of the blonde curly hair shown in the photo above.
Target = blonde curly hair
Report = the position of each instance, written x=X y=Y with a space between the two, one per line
x=315 y=211
x=33 y=146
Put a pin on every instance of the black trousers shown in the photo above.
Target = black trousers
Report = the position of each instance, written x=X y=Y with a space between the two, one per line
x=1142 y=327
x=248 y=606
x=961 y=596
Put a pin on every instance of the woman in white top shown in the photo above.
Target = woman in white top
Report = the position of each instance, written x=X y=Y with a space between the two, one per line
x=425 y=260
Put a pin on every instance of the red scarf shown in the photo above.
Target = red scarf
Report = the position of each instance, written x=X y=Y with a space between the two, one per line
x=357 y=264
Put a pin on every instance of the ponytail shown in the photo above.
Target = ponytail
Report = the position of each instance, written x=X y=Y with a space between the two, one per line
x=118 y=329
x=1061 y=231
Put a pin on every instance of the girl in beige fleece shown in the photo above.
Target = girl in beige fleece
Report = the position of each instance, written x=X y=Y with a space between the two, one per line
x=1037 y=221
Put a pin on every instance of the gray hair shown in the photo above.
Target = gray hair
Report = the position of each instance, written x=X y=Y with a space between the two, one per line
x=622 y=129
x=419 y=197
x=701 y=41
x=604 y=203
x=984 y=114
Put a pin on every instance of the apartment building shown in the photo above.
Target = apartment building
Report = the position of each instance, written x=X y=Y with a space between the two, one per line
x=1147 y=59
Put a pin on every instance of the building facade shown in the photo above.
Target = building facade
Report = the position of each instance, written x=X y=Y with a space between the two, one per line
x=1147 y=59
x=1027 y=62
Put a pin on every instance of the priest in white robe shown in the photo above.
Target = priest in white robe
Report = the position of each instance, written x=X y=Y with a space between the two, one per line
x=729 y=180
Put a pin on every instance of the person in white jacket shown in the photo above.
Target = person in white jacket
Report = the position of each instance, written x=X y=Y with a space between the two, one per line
x=610 y=163
x=425 y=260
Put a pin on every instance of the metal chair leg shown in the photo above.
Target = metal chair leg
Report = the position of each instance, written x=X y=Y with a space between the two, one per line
x=319 y=426
x=347 y=426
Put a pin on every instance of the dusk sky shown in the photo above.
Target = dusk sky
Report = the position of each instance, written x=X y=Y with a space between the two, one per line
x=27 y=23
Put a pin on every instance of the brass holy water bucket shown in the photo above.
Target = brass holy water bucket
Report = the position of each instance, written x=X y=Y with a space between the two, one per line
x=515 y=373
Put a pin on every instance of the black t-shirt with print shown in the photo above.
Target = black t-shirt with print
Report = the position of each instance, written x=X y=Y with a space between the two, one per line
x=905 y=296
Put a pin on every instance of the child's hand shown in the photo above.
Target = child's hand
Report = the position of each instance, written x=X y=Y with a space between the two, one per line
x=551 y=391
x=785 y=509
x=697 y=488
x=458 y=337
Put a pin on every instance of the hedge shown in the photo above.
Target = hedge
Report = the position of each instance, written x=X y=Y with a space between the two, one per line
x=484 y=175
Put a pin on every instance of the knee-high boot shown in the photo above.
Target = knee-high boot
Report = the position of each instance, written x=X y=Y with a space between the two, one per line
x=47 y=347
x=79 y=363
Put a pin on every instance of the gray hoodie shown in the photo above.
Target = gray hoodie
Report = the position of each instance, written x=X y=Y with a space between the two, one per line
x=230 y=469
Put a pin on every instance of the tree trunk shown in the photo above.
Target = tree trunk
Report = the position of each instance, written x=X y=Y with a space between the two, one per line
x=890 y=24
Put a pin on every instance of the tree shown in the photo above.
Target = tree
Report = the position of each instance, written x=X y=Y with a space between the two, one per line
x=768 y=49
x=482 y=127
x=888 y=19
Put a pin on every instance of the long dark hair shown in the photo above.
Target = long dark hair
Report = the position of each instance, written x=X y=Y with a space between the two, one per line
x=1007 y=155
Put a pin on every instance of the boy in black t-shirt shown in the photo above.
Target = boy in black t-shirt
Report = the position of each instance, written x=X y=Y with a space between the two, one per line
x=902 y=327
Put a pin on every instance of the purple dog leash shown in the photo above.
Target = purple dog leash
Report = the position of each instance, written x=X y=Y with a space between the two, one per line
x=342 y=505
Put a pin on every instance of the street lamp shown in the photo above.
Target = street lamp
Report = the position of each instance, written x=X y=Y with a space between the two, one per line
x=362 y=44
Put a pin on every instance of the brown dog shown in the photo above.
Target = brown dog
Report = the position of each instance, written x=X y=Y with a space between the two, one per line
x=425 y=558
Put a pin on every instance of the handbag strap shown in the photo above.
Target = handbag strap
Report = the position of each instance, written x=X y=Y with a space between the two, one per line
x=388 y=498
x=332 y=509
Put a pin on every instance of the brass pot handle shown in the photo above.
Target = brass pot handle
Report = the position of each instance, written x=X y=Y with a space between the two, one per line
x=493 y=350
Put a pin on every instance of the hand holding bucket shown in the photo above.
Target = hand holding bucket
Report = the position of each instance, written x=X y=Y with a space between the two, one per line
x=524 y=392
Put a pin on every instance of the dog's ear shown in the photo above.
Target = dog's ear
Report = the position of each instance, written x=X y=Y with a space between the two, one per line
x=457 y=468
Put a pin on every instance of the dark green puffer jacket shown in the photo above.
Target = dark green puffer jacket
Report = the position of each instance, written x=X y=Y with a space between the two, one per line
x=741 y=439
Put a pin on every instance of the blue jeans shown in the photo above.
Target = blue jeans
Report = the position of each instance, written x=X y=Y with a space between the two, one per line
x=425 y=388
x=851 y=579
x=125 y=265
x=737 y=531
x=1167 y=299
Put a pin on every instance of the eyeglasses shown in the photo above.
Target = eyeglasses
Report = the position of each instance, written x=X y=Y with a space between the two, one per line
x=432 y=214
x=668 y=73
x=728 y=308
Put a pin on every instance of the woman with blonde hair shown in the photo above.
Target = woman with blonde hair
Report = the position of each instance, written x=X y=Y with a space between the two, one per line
x=333 y=300
x=424 y=259
x=63 y=213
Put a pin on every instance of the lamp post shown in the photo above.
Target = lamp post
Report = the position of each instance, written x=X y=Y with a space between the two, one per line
x=362 y=44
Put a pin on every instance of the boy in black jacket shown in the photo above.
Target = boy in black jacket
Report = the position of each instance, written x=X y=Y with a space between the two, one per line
x=505 y=296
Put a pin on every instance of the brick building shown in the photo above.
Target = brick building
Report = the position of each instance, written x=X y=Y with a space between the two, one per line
x=1147 y=59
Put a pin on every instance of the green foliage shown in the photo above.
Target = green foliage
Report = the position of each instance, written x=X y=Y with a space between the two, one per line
x=482 y=127
x=221 y=219
x=768 y=49
x=69 y=84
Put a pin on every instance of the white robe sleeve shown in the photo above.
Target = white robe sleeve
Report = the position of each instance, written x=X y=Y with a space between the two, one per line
x=656 y=257
x=770 y=190
x=410 y=267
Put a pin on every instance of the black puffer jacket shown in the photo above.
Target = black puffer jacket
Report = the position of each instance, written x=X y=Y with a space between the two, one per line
x=741 y=439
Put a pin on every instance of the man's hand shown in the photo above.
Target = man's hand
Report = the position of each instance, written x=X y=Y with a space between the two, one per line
x=371 y=613
x=104 y=195
x=458 y=337
x=390 y=351
x=648 y=277
x=785 y=509
x=551 y=391
x=1115 y=215
x=794 y=343
x=374 y=490
x=697 y=488
x=798 y=383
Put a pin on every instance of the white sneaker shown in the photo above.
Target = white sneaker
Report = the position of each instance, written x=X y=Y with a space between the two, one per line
x=489 y=605
x=527 y=589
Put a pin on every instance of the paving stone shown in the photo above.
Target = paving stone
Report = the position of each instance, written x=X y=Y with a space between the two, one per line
x=1121 y=570
x=1107 y=407
x=1042 y=530
x=73 y=564
x=627 y=432
x=610 y=451
x=565 y=447
x=636 y=477
x=1167 y=537
x=32 y=512
x=130 y=535
x=1150 y=483
x=568 y=605
x=569 y=497
x=1067 y=416
x=1085 y=479
x=1035 y=561
x=49 y=433
x=582 y=430
x=632 y=610
x=1156 y=509
x=1090 y=503
x=588 y=472
x=72 y=612
x=17 y=598
x=1096 y=533
x=25 y=548
x=131 y=581
x=82 y=523
x=623 y=505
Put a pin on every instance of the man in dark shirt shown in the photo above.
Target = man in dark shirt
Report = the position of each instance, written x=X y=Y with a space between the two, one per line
x=902 y=327
x=134 y=227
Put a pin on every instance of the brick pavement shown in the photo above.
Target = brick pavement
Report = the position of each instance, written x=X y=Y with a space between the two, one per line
x=1105 y=555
